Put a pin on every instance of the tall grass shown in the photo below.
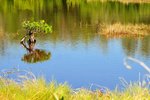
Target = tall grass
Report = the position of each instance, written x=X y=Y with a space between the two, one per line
x=28 y=87
x=121 y=30
x=40 y=90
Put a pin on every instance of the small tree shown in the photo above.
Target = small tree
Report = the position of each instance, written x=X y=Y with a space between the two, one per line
x=36 y=27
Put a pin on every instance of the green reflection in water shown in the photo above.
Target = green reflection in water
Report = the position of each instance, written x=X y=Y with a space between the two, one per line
x=76 y=21
x=82 y=13
x=130 y=46
x=145 y=46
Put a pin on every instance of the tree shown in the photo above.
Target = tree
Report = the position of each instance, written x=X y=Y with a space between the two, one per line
x=33 y=27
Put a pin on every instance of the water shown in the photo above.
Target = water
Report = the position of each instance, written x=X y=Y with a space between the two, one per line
x=78 y=54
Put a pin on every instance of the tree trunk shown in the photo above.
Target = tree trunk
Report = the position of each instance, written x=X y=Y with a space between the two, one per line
x=32 y=38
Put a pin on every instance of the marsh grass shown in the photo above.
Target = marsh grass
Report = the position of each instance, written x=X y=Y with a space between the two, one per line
x=40 y=90
x=121 y=30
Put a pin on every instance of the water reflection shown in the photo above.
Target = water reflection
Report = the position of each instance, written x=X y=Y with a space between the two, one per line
x=2 y=40
x=145 y=46
x=76 y=22
x=130 y=46
x=34 y=55
x=53 y=11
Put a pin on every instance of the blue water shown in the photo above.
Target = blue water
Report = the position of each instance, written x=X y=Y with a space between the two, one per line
x=80 y=64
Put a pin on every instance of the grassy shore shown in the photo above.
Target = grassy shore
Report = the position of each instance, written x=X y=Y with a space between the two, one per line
x=40 y=90
x=121 y=30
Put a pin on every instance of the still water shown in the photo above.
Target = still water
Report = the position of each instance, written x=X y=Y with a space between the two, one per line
x=77 y=54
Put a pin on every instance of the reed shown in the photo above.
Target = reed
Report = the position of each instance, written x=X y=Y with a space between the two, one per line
x=121 y=30
x=40 y=90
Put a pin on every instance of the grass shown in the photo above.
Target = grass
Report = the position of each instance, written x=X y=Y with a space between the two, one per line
x=40 y=90
x=121 y=30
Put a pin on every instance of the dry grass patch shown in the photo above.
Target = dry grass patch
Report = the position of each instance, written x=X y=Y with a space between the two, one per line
x=121 y=30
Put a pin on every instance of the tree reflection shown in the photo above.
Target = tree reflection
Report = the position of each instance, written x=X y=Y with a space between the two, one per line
x=145 y=46
x=130 y=46
x=34 y=55
x=75 y=21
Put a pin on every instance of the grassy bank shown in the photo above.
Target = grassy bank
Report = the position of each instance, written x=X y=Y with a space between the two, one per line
x=121 y=30
x=40 y=90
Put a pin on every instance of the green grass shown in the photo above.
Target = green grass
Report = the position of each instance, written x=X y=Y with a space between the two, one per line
x=40 y=90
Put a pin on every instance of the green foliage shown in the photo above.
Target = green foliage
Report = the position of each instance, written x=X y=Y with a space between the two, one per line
x=37 y=26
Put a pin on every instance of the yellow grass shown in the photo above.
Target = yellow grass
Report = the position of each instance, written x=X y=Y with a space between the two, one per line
x=40 y=90
x=121 y=30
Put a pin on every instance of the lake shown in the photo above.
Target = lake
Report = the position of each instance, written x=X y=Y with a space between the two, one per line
x=78 y=54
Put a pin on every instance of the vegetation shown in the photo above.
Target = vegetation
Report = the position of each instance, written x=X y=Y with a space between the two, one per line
x=70 y=20
x=16 y=11
x=70 y=17
x=37 y=27
x=120 y=30
x=40 y=90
